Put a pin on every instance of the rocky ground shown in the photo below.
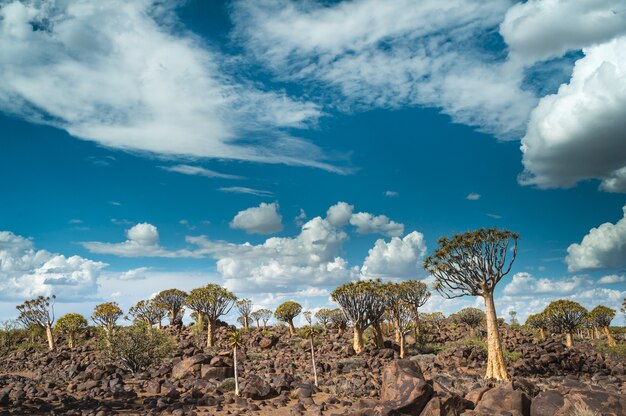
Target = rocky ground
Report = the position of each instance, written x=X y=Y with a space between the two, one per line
x=276 y=379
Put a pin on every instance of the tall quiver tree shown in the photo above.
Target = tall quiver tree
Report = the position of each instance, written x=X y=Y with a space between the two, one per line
x=416 y=294
x=565 y=316
x=362 y=304
x=244 y=306
x=105 y=316
x=211 y=301
x=70 y=325
x=472 y=264
x=39 y=312
x=602 y=317
x=286 y=312
x=538 y=321
x=323 y=316
x=173 y=300
x=265 y=315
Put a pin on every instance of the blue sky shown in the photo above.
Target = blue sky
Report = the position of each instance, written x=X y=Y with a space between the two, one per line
x=145 y=155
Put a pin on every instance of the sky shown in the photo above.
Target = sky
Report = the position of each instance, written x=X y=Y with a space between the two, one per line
x=281 y=147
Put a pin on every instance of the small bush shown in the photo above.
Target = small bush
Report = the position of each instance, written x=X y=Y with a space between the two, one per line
x=512 y=356
x=137 y=347
x=619 y=351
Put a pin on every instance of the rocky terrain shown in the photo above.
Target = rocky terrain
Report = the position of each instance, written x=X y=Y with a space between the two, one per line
x=276 y=378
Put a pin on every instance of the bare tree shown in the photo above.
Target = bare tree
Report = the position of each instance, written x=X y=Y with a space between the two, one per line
x=211 y=301
x=244 y=306
x=472 y=264
x=363 y=303
x=265 y=315
x=39 y=312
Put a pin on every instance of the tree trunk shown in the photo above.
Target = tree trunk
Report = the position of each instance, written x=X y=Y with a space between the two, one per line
x=357 y=343
x=496 y=366
x=417 y=326
x=51 y=345
x=70 y=340
x=542 y=333
x=396 y=325
x=569 y=340
x=378 y=335
x=159 y=325
x=292 y=329
x=313 y=361
x=257 y=324
x=235 y=364
x=264 y=326
x=402 y=345
x=609 y=338
x=210 y=333
x=245 y=323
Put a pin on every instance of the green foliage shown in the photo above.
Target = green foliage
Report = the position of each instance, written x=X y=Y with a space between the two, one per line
x=148 y=311
x=106 y=315
x=71 y=325
x=212 y=301
x=235 y=340
x=38 y=311
x=565 y=315
x=172 y=300
x=472 y=263
x=601 y=316
x=363 y=302
x=618 y=351
x=472 y=317
x=137 y=347
x=11 y=336
x=537 y=321
x=512 y=356
x=324 y=316
x=287 y=311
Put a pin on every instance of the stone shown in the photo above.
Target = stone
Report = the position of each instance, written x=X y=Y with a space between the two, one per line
x=207 y=372
x=403 y=387
x=256 y=388
x=185 y=367
x=503 y=399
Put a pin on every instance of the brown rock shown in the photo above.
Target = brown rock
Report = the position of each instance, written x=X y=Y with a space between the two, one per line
x=403 y=388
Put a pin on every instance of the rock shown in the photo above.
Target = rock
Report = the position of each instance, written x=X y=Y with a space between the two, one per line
x=547 y=403
x=506 y=399
x=256 y=388
x=403 y=387
x=444 y=404
x=207 y=372
x=268 y=342
x=554 y=403
x=351 y=364
x=185 y=367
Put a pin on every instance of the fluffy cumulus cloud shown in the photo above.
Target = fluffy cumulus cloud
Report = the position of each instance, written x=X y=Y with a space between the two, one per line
x=578 y=133
x=398 y=258
x=137 y=80
x=264 y=219
x=143 y=240
x=367 y=223
x=26 y=272
x=603 y=247
x=393 y=54
x=612 y=279
x=339 y=214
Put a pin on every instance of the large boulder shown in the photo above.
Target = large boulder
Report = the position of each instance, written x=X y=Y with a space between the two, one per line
x=256 y=388
x=555 y=403
x=189 y=365
x=507 y=399
x=404 y=389
x=208 y=372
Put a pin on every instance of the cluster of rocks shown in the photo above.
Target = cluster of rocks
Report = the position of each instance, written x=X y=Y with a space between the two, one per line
x=276 y=376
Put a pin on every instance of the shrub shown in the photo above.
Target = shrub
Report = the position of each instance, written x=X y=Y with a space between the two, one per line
x=138 y=346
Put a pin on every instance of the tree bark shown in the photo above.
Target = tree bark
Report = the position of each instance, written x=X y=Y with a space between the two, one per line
x=159 y=325
x=569 y=340
x=496 y=366
x=292 y=329
x=396 y=325
x=245 y=323
x=235 y=364
x=357 y=343
x=378 y=335
x=210 y=333
x=50 y=337
x=70 y=340
x=542 y=333
x=402 y=345
x=609 y=338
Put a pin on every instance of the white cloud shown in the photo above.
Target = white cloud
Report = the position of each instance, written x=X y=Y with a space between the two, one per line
x=543 y=29
x=134 y=274
x=398 y=258
x=339 y=214
x=393 y=54
x=391 y=194
x=263 y=219
x=578 y=133
x=245 y=190
x=612 y=278
x=136 y=81
x=473 y=196
x=143 y=241
x=526 y=284
x=300 y=218
x=494 y=216
x=603 y=247
x=26 y=272
x=199 y=171
x=367 y=223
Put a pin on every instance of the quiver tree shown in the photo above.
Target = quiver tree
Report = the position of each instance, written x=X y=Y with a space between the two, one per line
x=235 y=341
x=323 y=316
x=105 y=316
x=256 y=316
x=472 y=264
x=265 y=315
x=309 y=332
x=513 y=315
x=400 y=311
x=434 y=319
x=286 y=312
x=244 y=306
x=470 y=317
x=148 y=311
x=538 y=321
x=39 y=312
x=416 y=294
x=338 y=320
x=173 y=300
x=211 y=301
x=564 y=316
x=71 y=325
x=602 y=316
x=362 y=304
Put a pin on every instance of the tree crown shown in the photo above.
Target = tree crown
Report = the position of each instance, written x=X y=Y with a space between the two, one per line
x=286 y=311
x=71 y=323
x=565 y=315
x=211 y=301
x=363 y=302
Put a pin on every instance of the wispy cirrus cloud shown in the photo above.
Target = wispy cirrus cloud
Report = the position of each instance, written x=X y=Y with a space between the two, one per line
x=199 y=171
x=245 y=190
